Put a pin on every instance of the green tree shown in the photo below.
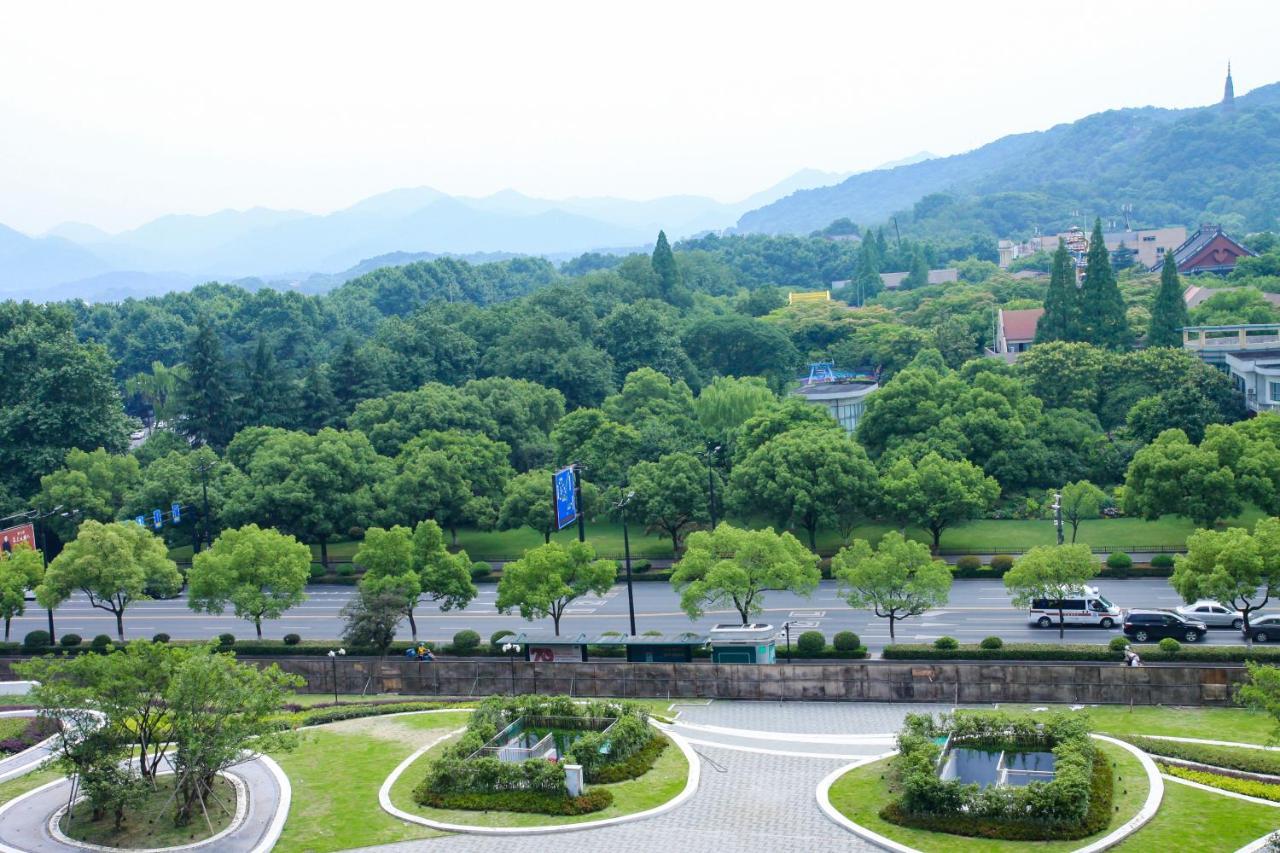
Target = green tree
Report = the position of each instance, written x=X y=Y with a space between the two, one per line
x=1061 y=318
x=1233 y=566
x=734 y=345
x=726 y=402
x=897 y=580
x=1173 y=476
x=524 y=413
x=114 y=565
x=1053 y=572
x=806 y=478
x=1066 y=375
x=670 y=495
x=20 y=570
x=733 y=567
x=445 y=576
x=664 y=266
x=371 y=618
x=527 y=502
x=1102 y=312
x=266 y=395
x=548 y=578
x=1169 y=309
x=318 y=405
x=456 y=478
x=260 y=573
x=1183 y=406
x=918 y=276
x=645 y=334
x=176 y=478
x=93 y=484
x=936 y=493
x=206 y=399
x=606 y=448
x=866 y=278
x=221 y=712
x=770 y=422
x=158 y=390
x=1080 y=500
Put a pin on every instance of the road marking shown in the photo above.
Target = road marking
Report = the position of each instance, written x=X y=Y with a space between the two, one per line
x=806 y=614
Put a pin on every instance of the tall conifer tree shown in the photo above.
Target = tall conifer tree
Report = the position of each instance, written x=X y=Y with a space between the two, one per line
x=867 y=279
x=206 y=395
x=919 y=274
x=664 y=264
x=1062 y=302
x=1103 y=320
x=1169 y=310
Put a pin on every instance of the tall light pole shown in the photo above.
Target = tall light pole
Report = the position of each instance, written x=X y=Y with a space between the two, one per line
x=512 y=649
x=333 y=661
x=711 y=483
x=1057 y=514
x=577 y=498
x=621 y=506
x=203 y=469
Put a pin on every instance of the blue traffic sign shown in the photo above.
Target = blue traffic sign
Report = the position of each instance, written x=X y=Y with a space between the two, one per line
x=566 y=498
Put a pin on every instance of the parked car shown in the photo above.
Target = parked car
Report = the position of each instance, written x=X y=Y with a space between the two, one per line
x=1264 y=628
x=1086 y=606
x=1213 y=614
x=1146 y=625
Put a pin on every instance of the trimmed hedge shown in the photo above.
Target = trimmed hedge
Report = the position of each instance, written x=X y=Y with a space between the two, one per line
x=1069 y=652
x=811 y=642
x=1248 y=787
x=846 y=641
x=1232 y=758
x=638 y=764
x=337 y=713
x=529 y=802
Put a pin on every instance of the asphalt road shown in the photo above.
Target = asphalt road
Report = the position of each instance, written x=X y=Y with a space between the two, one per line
x=977 y=609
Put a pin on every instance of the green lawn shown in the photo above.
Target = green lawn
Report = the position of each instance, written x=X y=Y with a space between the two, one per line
x=336 y=773
x=1194 y=821
x=862 y=792
x=984 y=534
x=29 y=782
x=1234 y=724
x=664 y=781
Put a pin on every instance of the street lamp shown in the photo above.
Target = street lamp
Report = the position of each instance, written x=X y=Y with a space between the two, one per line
x=621 y=506
x=787 y=627
x=711 y=483
x=36 y=517
x=512 y=649
x=333 y=661
x=1057 y=514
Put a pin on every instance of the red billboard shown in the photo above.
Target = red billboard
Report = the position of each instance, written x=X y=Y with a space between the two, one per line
x=23 y=534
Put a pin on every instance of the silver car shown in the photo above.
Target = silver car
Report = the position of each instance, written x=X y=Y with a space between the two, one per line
x=1213 y=614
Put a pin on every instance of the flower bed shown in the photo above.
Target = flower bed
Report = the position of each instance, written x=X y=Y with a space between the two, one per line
x=20 y=733
x=1248 y=787
x=1076 y=803
x=459 y=781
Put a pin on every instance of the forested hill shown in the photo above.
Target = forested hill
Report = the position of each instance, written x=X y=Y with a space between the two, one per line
x=1173 y=166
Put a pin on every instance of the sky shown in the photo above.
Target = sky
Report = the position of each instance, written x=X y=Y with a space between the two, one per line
x=115 y=113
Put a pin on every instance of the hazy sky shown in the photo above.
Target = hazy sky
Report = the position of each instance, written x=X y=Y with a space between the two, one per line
x=113 y=113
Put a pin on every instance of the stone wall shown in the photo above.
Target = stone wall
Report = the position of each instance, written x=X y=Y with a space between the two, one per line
x=853 y=681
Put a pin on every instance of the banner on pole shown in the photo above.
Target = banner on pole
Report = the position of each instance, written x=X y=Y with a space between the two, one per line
x=156 y=518
x=12 y=537
x=565 y=497
x=175 y=513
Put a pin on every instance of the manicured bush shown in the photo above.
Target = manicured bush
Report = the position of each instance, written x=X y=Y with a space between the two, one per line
x=638 y=764
x=227 y=640
x=101 y=643
x=70 y=640
x=1248 y=787
x=346 y=570
x=36 y=640
x=639 y=567
x=1118 y=644
x=991 y=643
x=292 y=639
x=480 y=569
x=532 y=802
x=846 y=641
x=317 y=572
x=355 y=532
x=1244 y=759
x=1170 y=646
x=1001 y=563
x=1162 y=561
x=1119 y=560
x=160 y=638
x=497 y=638
x=811 y=642
x=969 y=563
x=465 y=641
x=946 y=644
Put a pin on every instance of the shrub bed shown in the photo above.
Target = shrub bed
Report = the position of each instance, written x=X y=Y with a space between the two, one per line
x=1068 y=652
x=20 y=733
x=640 y=763
x=1066 y=807
x=1248 y=787
x=1232 y=758
x=531 y=802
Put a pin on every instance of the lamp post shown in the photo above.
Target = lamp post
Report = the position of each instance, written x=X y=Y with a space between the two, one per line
x=577 y=501
x=36 y=517
x=711 y=483
x=787 y=627
x=621 y=506
x=333 y=662
x=512 y=649
x=1057 y=514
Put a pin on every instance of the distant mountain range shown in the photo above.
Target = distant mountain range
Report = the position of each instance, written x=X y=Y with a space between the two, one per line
x=293 y=248
x=1172 y=166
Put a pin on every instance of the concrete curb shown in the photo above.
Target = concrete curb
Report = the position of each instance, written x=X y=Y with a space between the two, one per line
x=282 y=807
x=1257 y=844
x=1155 y=794
x=30 y=752
x=690 y=788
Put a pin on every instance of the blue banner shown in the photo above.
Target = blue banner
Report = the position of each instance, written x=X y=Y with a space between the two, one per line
x=157 y=518
x=175 y=513
x=142 y=520
x=566 y=498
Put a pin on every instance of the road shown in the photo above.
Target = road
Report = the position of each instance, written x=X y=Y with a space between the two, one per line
x=977 y=609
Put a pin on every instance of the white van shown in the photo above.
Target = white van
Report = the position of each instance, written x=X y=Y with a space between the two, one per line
x=1086 y=606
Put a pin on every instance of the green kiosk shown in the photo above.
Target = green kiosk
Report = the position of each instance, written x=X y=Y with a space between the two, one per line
x=743 y=644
